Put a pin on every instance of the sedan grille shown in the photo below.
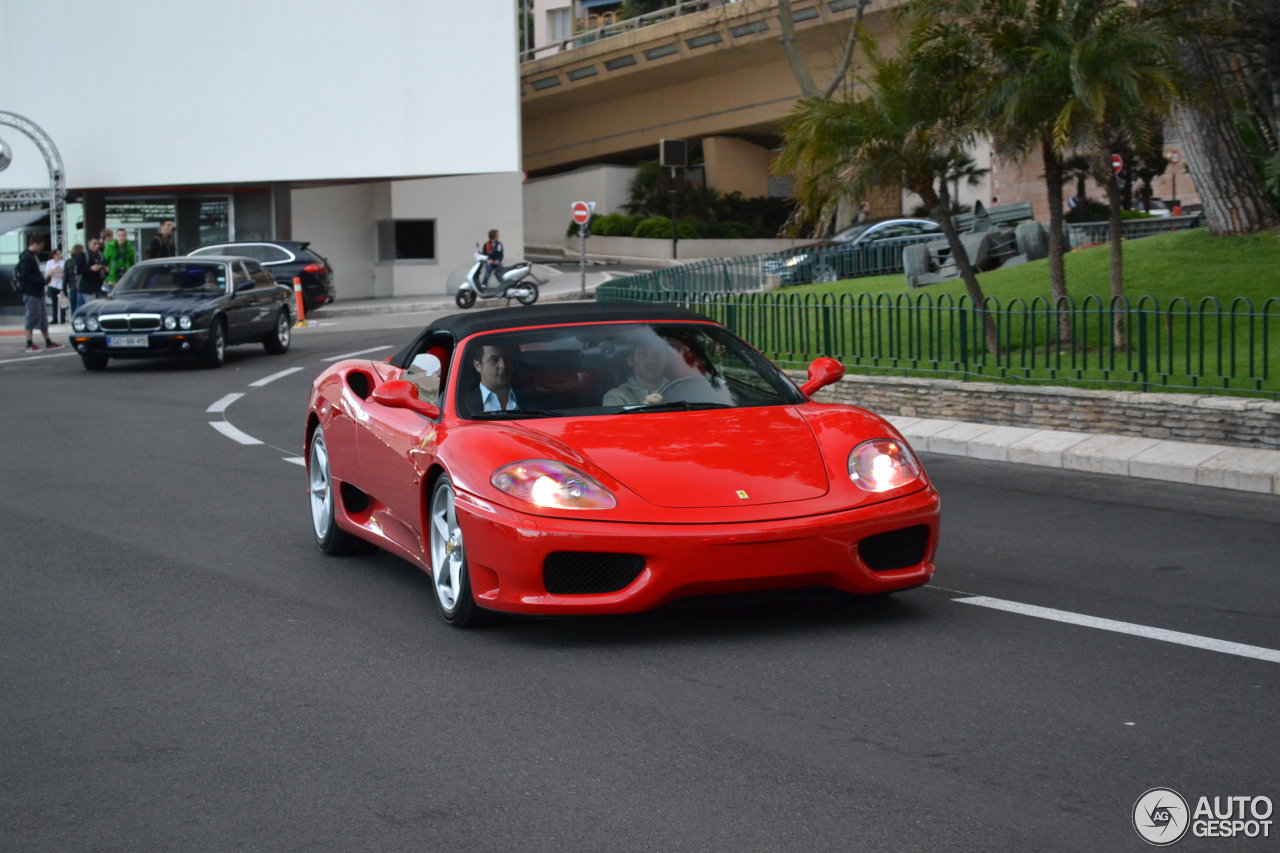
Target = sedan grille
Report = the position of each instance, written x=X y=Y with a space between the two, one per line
x=129 y=322
x=897 y=549
x=589 y=573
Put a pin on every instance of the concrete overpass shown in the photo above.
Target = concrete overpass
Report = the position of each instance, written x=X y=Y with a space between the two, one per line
x=718 y=77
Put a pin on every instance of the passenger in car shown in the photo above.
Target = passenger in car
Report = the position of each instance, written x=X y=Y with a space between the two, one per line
x=648 y=362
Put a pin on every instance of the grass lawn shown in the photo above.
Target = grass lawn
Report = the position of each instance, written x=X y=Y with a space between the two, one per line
x=1190 y=264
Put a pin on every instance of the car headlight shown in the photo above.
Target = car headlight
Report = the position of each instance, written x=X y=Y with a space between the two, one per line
x=185 y=322
x=798 y=259
x=93 y=324
x=171 y=322
x=542 y=482
x=78 y=324
x=882 y=464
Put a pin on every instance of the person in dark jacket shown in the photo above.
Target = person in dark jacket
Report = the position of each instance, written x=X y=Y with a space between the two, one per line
x=31 y=277
x=493 y=251
x=90 y=267
x=161 y=244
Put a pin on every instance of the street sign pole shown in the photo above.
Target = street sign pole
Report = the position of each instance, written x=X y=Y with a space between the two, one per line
x=581 y=211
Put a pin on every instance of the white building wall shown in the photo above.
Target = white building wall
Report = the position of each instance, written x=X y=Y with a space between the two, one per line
x=342 y=223
x=547 y=200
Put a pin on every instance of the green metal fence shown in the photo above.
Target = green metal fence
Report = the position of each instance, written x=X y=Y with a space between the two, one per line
x=747 y=273
x=1205 y=347
x=1090 y=233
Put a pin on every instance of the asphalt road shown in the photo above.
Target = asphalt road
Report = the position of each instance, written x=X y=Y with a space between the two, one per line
x=181 y=669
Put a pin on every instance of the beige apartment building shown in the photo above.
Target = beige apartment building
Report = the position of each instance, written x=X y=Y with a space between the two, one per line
x=597 y=94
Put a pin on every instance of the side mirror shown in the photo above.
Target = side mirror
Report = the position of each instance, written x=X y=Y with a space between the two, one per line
x=244 y=285
x=402 y=394
x=823 y=372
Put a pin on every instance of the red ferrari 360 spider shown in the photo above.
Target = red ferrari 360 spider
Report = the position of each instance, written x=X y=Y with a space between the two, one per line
x=604 y=458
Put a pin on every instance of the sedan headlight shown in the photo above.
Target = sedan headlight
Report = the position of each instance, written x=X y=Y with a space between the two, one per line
x=185 y=322
x=171 y=322
x=542 y=482
x=93 y=324
x=882 y=464
x=78 y=324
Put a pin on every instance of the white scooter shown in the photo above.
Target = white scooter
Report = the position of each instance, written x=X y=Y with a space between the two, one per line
x=517 y=282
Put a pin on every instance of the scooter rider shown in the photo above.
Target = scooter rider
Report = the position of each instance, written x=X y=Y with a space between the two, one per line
x=493 y=251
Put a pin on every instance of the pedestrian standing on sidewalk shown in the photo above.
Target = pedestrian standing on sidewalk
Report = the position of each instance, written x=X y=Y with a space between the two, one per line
x=120 y=256
x=71 y=277
x=161 y=244
x=33 y=283
x=53 y=278
x=493 y=251
x=90 y=269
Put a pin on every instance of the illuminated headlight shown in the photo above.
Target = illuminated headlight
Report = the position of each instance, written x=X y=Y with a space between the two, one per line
x=798 y=259
x=882 y=464
x=542 y=482
x=78 y=324
x=93 y=324
x=185 y=322
x=171 y=322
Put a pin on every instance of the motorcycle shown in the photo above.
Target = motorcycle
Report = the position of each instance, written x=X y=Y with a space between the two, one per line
x=517 y=282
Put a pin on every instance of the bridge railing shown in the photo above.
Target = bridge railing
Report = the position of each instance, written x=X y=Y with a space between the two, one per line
x=1202 y=347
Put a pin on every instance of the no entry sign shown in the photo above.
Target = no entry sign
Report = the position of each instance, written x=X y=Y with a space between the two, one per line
x=582 y=212
x=1117 y=163
x=1175 y=158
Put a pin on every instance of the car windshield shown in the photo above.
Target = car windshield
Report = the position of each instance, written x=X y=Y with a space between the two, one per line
x=614 y=369
x=177 y=277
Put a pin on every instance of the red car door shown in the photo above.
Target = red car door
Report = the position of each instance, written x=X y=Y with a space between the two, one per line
x=397 y=446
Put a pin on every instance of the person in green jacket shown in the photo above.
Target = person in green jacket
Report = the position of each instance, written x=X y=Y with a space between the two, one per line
x=119 y=256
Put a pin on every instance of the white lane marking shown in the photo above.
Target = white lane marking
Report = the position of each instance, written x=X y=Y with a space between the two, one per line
x=221 y=405
x=296 y=460
x=34 y=357
x=232 y=433
x=1193 y=640
x=267 y=380
x=356 y=353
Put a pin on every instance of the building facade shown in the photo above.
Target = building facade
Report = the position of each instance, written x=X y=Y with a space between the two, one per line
x=369 y=130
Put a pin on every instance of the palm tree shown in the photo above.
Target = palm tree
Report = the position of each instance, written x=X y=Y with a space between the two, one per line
x=899 y=133
x=1126 y=80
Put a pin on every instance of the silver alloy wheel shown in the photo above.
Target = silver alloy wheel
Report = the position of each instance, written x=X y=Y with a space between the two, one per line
x=320 y=487
x=283 y=330
x=446 y=548
x=219 y=342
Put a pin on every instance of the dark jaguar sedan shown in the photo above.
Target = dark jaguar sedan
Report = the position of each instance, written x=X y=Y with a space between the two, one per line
x=185 y=307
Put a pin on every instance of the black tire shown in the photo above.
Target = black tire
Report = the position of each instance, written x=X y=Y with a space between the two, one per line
x=450 y=578
x=93 y=361
x=277 y=342
x=916 y=262
x=1032 y=240
x=323 y=498
x=533 y=293
x=465 y=298
x=215 y=349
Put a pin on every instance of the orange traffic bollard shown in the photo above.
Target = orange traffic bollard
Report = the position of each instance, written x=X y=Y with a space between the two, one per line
x=297 y=296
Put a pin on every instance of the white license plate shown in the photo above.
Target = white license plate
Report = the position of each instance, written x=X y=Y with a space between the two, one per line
x=127 y=341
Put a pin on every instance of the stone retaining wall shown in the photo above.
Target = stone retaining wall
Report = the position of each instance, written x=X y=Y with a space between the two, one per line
x=1239 y=421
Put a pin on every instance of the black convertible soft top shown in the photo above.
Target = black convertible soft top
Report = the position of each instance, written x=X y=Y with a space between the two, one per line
x=464 y=325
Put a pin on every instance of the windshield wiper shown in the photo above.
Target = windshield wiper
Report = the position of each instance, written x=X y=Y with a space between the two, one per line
x=514 y=414
x=673 y=406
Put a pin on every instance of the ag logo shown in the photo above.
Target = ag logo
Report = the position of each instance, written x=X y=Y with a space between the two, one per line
x=1160 y=816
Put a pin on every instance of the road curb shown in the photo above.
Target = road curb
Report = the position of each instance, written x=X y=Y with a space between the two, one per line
x=1216 y=465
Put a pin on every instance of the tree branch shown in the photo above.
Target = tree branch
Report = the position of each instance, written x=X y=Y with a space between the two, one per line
x=849 y=45
x=798 y=66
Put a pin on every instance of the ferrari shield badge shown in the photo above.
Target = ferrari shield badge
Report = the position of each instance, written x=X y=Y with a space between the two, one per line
x=742 y=494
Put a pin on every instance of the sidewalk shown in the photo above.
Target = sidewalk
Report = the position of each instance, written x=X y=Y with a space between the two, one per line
x=1215 y=465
